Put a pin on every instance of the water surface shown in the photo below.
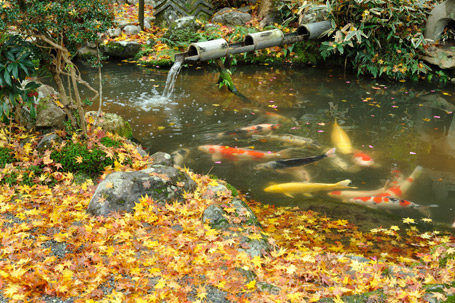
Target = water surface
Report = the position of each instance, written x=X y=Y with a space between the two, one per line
x=400 y=125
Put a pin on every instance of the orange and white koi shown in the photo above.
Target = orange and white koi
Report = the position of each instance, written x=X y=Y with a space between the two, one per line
x=250 y=130
x=384 y=202
x=220 y=152
x=396 y=191
x=363 y=159
x=340 y=139
x=345 y=195
x=399 y=190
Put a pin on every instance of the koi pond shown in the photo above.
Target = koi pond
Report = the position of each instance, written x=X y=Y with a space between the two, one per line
x=395 y=127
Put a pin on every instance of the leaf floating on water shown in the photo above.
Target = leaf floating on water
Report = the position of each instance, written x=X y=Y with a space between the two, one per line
x=408 y=221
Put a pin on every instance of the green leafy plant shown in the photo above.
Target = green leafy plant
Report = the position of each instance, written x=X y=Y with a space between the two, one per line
x=58 y=29
x=16 y=65
x=379 y=37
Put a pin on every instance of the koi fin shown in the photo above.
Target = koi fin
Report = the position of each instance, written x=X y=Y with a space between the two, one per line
x=216 y=157
x=289 y=195
x=344 y=184
x=285 y=153
x=331 y=153
x=425 y=210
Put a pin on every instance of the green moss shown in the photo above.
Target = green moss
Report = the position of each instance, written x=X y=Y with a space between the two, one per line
x=77 y=158
x=127 y=131
x=233 y=190
x=108 y=142
x=6 y=156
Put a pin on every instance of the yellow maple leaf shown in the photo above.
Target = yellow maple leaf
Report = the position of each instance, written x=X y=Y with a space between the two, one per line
x=67 y=274
x=251 y=285
x=408 y=221
x=229 y=210
x=255 y=236
x=161 y=284
x=61 y=237
x=291 y=269
x=257 y=261
x=18 y=272
x=11 y=290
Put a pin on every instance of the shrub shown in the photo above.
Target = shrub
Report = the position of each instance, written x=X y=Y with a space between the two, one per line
x=379 y=37
x=15 y=65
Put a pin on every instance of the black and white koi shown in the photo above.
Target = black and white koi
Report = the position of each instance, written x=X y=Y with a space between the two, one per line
x=294 y=162
x=294 y=166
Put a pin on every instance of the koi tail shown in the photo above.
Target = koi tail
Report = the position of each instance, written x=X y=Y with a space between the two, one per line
x=344 y=183
x=417 y=172
x=425 y=210
x=331 y=153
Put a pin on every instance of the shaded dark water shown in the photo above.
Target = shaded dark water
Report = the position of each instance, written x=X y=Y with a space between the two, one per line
x=400 y=125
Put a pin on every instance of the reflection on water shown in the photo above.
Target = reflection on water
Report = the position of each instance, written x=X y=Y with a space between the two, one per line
x=400 y=125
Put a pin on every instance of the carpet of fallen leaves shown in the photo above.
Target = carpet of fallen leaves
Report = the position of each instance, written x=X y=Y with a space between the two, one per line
x=51 y=247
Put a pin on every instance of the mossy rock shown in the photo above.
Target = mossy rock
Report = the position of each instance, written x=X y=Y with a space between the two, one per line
x=113 y=123
x=121 y=49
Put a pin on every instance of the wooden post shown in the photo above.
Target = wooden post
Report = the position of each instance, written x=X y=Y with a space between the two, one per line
x=141 y=14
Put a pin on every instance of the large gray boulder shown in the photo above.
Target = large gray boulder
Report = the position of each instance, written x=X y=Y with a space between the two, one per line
x=231 y=17
x=120 y=191
x=444 y=57
x=48 y=114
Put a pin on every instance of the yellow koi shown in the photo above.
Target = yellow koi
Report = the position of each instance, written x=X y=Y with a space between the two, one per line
x=340 y=139
x=294 y=188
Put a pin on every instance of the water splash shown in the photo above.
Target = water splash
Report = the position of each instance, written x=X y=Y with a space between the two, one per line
x=171 y=77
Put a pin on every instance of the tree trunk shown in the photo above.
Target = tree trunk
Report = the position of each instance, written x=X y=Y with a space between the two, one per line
x=63 y=98
x=141 y=14
x=265 y=8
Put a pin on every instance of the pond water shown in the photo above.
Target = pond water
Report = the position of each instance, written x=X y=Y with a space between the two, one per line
x=400 y=125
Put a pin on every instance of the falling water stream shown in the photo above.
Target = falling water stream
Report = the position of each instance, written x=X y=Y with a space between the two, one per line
x=171 y=77
x=400 y=125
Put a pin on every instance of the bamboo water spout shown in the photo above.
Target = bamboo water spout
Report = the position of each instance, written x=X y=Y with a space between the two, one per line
x=206 y=50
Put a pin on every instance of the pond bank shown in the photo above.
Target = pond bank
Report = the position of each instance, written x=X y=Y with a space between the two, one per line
x=66 y=255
